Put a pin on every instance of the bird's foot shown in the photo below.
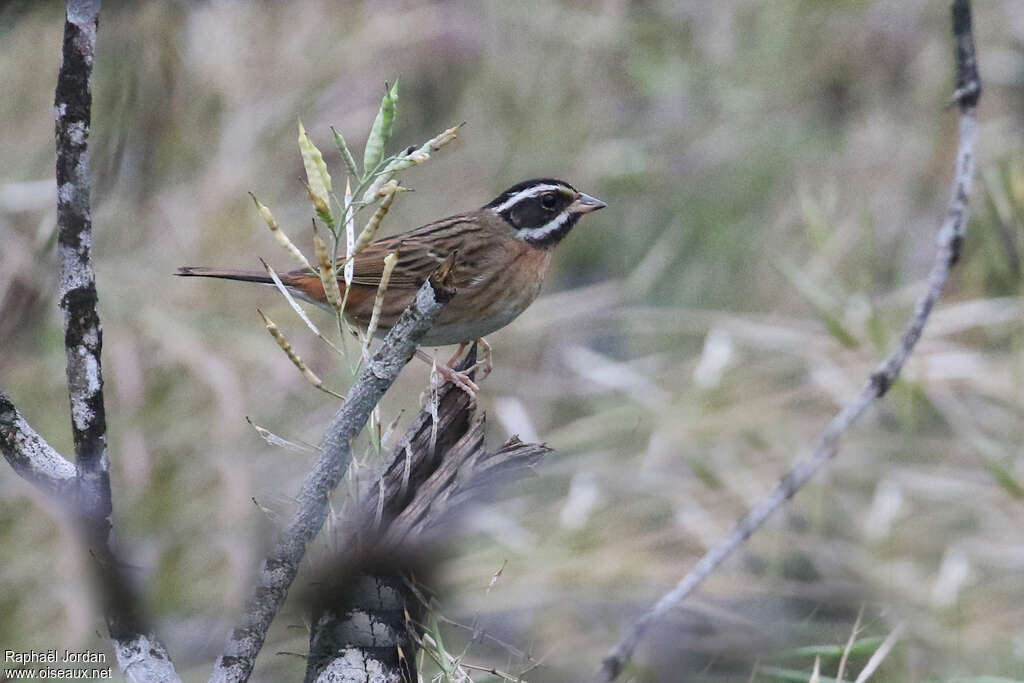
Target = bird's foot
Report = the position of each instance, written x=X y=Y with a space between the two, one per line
x=483 y=366
x=460 y=378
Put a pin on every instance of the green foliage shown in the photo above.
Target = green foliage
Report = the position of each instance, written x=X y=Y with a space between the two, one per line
x=346 y=154
x=862 y=647
x=383 y=127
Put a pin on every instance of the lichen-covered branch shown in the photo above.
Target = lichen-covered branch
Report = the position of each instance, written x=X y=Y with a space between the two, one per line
x=950 y=242
x=30 y=455
x=83 y=336
x=281 y=565
x=144 y=659
x=141 y=656
x=367 y=638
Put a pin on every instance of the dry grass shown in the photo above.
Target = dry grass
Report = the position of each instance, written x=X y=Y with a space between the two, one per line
x=677 y=362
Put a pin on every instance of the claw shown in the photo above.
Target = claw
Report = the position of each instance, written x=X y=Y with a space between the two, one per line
x=458 y=352
x=460 y=378
x=486 y=365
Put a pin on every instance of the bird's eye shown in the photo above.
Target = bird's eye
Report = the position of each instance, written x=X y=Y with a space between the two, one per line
x=548 y=200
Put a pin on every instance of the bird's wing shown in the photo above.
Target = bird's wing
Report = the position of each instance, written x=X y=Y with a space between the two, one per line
x=420 y=253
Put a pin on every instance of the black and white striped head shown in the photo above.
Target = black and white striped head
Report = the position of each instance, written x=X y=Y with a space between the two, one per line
x=543 y=210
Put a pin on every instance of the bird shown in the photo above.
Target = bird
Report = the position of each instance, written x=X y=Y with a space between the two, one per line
x=502 y=254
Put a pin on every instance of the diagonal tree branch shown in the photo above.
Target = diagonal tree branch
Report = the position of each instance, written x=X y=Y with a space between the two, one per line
x=282 y=563
x=950 y=242
x=30 y=455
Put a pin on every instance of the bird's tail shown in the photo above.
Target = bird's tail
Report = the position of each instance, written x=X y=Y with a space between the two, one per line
x=225 y=274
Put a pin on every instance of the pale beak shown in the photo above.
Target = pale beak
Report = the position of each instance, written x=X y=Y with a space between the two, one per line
x=585 y=204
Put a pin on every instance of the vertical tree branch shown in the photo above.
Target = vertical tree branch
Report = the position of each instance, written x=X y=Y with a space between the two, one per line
x=282 y=563
x=950 y=242
x=83 y=336
x=141 y=656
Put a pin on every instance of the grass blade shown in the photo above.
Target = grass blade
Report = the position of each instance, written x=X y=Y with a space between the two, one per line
x=296 y=307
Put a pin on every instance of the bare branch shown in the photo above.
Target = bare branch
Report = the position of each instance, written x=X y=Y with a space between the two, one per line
x=30 y=455
x=281 y=565
x=83 y=336
x=141 y=656
x=950 y=241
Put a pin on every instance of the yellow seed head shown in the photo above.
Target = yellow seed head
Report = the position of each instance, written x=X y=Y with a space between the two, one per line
x=319 y=180
x=279 y=234
x=327 y=274
x=390 y=261
x=294 y=357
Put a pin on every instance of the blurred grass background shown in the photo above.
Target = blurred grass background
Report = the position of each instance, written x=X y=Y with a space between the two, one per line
x=775 y=173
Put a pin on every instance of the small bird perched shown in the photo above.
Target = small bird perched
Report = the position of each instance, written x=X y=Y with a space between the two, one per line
x=503 y=253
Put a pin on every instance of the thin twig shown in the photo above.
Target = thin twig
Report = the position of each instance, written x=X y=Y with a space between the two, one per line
x=950 y=241
x=281 y=565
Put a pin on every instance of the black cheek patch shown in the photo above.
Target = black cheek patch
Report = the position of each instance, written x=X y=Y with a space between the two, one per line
x=527 y=215
x=530 y=213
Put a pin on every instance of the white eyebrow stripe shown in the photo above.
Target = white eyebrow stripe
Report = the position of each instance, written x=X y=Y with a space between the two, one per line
x=538 y=234
x=523 y=194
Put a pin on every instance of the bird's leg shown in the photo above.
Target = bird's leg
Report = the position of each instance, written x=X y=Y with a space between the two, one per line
x=485 y=365
x=458 y=352
x=460 y=379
